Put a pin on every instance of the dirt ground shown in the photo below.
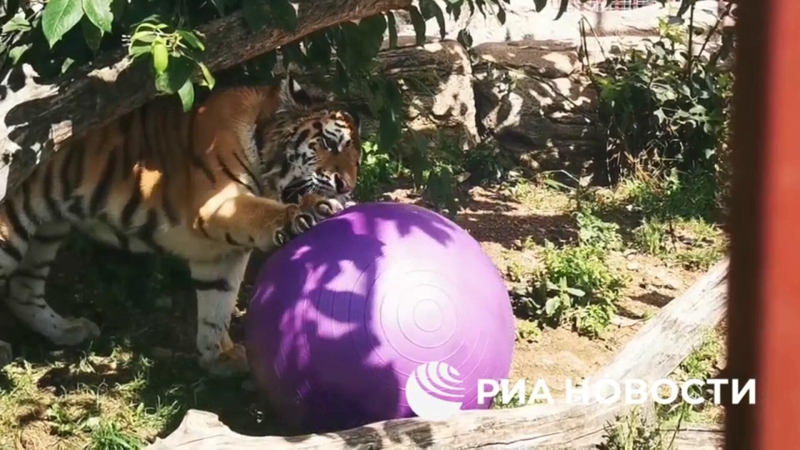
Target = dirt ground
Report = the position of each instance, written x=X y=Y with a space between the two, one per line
x=136 y=382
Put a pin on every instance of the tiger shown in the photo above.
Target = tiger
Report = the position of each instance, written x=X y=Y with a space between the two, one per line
x=247 y=168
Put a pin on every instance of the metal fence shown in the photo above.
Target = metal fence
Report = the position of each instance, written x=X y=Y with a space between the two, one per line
x=600 y=5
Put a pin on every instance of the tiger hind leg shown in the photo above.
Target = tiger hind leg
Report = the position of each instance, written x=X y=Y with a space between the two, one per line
x=26 y=290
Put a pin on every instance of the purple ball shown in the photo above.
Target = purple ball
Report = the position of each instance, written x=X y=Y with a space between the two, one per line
x=342 y=316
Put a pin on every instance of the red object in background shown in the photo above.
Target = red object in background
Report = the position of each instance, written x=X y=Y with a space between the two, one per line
x=764 y=301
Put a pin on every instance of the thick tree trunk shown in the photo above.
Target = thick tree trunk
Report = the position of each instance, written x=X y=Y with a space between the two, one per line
x=36 y=117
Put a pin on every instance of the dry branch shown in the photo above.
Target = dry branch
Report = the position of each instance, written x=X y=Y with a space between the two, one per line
x=38 y=116
x=655 y=352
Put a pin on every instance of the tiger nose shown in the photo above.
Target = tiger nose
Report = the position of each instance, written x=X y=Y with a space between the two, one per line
x=342 y=186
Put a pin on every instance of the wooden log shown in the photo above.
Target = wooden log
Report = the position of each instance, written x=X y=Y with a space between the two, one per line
x=655 y=352
x=37 y=117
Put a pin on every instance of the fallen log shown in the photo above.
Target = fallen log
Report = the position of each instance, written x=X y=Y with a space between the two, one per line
x=36 y=117
x=655 y=352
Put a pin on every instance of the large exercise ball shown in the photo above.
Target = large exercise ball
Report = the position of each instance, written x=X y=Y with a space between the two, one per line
x=378 y=312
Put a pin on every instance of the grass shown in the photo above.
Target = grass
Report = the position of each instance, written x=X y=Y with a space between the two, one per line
x=700 y=365
x=132 y=384
x=139 y=378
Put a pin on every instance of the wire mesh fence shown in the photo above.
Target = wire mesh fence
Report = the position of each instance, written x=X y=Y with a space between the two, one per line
x=600 y=5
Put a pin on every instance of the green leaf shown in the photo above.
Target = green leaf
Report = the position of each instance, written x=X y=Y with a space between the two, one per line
x=171 y=80
x=392 y=25
x=192 y=39
x=91 y=34
x=464 y=38
x=575 y=292
x=17 y=23
x=58 y=17
x=371 y=30
x=137 y=50
x=562 y=8
x=429 y=9
x=186 y=94
x=318 y=49
x=16 y=53
x=160 y=57
x=551 y=306
x=501 y=15
x=260 y=14
x=256 y=14
x=284 y=14
x=210 y=81
x=99 y=13
x=540 y=4
x=67 y=64
x=419 y=25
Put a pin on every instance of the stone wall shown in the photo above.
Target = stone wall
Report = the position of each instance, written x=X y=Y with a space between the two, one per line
x=527 y=94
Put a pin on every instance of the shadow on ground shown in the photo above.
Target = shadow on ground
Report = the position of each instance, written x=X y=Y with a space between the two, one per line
x=146 y=310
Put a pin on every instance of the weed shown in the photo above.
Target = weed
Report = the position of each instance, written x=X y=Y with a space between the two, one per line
x=633 y=432
x=660 y=108
x=575 y=284
x=699 y=365
x=107 y=435
x=378 y=170
x=651 y=236
x=596 y=233
x=527 y=331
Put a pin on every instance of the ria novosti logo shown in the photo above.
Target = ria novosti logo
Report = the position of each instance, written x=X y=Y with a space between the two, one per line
x=435 y=391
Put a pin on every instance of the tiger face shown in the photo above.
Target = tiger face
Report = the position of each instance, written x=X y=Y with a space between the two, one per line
x=318 y=146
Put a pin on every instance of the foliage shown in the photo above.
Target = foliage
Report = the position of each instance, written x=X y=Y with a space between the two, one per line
x=634 y=432
x=662 y=108
x=701 y=364
x=575 y=284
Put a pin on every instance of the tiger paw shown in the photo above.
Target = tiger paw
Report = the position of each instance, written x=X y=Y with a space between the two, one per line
x=75 y=331
x=301 y=218
x=231 y=362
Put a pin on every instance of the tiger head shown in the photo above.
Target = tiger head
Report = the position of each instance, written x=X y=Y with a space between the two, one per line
x=312 y=145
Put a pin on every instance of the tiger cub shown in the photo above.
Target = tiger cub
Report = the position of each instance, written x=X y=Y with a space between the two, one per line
x=249 y=168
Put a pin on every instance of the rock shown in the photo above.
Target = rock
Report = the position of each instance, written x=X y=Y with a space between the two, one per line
x=549 y=59
x=543 y=123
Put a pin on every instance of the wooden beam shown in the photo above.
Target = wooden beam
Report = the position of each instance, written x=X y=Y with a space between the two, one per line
x=36 y=117
x=655 y=352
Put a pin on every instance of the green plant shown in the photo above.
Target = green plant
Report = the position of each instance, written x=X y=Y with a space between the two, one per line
x=699 y=365
x=634 y=432
x=574 y=283
x=650 y=236
x=596 y=233
x=663 y=110
x=378 y=169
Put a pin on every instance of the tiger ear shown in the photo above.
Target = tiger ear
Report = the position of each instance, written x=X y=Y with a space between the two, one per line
x=293 y=95
x=356 y=119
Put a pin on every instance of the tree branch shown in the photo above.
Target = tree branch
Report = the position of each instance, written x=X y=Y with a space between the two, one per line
x=37 y=117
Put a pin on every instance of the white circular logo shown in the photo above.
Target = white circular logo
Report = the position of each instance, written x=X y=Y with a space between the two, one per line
x=434 y=391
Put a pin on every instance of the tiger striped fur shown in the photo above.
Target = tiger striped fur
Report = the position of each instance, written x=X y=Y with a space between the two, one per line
x=249 y=168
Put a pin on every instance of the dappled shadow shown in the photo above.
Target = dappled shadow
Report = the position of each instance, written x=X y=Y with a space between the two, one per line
x=509 y=230
x=327 y=323
x=112 y=289
x=653 y=298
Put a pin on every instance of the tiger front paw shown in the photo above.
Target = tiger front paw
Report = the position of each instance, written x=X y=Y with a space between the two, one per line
x=300 y=218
